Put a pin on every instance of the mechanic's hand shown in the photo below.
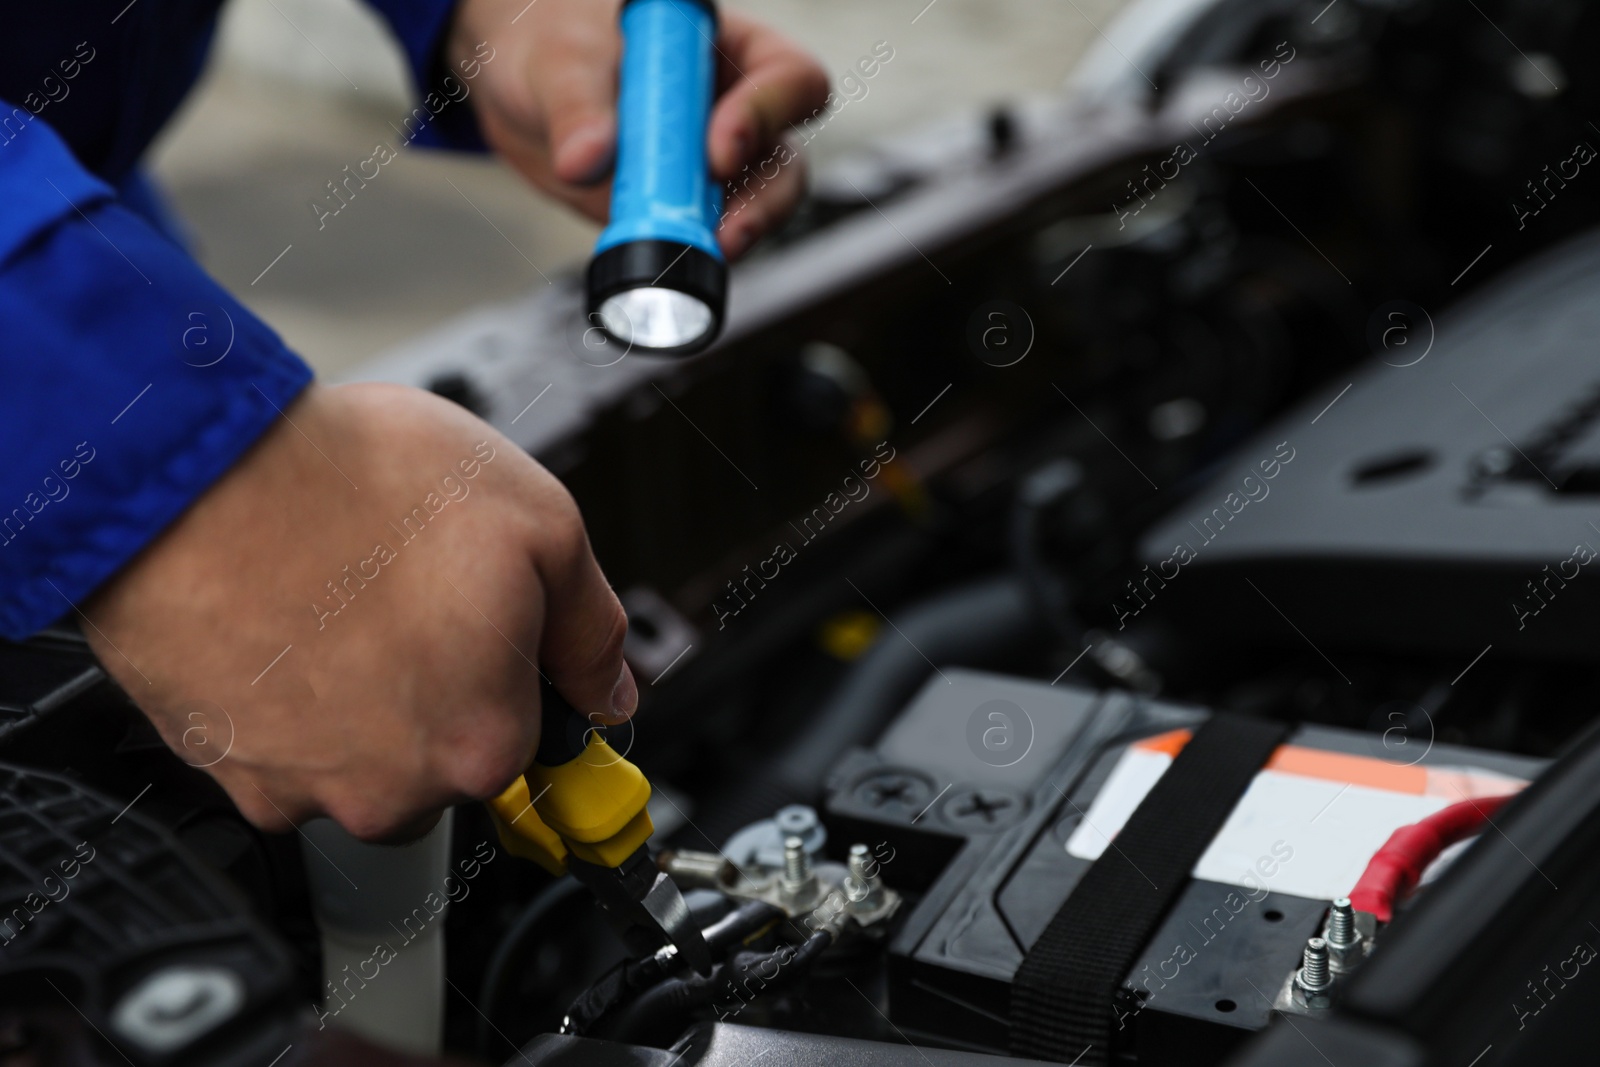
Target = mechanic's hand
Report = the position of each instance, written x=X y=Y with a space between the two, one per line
x=373 y=648
x=546 y=102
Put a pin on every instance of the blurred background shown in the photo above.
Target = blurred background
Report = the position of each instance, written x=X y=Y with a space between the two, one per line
x=298 y=89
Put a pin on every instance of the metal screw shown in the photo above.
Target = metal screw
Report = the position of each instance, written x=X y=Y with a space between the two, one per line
x=982 y=810
x=893 y=792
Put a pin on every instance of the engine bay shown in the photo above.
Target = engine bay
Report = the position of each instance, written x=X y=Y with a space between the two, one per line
x=1115 y=594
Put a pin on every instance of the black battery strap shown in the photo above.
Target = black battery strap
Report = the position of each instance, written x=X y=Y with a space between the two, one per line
x=1063 y=996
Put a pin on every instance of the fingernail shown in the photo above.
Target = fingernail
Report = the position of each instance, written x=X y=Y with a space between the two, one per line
x=592 y=139
x=625 y=694
x=601 y=167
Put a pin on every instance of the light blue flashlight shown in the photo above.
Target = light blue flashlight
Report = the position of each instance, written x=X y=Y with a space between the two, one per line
x=658 y=281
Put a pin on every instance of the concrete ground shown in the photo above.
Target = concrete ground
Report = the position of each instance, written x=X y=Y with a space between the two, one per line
x=298 y=89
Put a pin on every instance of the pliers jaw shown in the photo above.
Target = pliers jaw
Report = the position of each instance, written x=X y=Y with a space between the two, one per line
x=646 y=906
x=581 y=809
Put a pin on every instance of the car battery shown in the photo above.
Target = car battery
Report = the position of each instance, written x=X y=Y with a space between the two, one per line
x=992 y=796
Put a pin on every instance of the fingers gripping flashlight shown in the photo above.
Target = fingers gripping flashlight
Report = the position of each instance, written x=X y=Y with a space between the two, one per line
x=658 y=281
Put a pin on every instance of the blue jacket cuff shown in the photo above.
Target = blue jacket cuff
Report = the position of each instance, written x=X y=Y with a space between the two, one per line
x=133 y=383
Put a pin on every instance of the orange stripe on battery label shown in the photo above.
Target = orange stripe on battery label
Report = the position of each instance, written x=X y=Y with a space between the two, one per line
x=1169 y=743
x=1356 y=770
x=1318 y=763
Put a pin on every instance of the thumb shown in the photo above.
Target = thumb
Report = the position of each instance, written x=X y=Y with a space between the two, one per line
x=580 y=649
x=575 y=80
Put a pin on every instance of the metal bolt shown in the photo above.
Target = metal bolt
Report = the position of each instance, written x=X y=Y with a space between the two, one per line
x=1313 y=975
x=796 y=864
x=1314 y=966
x=863 y=888
x=1343 y=936
x=796 y=819
x=799 y=887
x=1342 y=924
x=860 y=856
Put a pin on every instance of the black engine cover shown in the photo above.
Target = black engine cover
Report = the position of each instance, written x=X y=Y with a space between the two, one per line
x=1446 y=499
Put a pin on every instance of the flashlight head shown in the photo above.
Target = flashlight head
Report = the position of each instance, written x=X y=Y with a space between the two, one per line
x=658 y=297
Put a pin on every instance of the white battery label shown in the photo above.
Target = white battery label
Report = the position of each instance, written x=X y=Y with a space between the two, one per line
x=1307 y=825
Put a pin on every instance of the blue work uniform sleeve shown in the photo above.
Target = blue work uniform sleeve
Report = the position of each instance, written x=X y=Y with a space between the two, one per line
x=442 y=117
x=129 y=381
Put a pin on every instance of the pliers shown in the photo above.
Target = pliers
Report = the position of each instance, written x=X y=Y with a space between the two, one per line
x=580 y=810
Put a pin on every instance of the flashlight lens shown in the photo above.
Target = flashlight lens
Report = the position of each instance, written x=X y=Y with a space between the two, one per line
x=653 y=317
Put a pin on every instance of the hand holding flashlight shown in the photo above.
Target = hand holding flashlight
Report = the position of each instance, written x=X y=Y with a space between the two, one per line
x=658 y=280
x=547 y=103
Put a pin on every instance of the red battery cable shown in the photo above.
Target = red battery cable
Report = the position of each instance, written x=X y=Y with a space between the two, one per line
x=1397 y=867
